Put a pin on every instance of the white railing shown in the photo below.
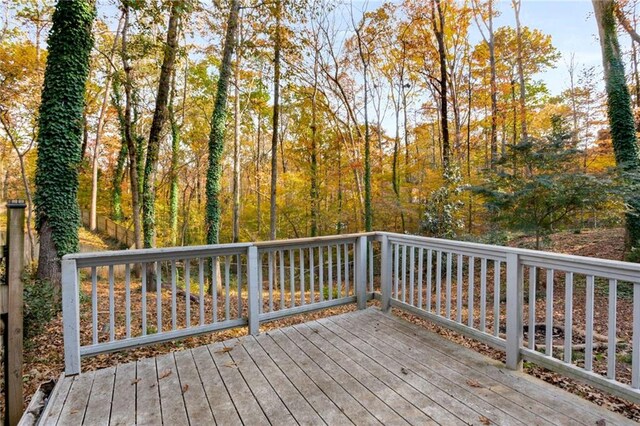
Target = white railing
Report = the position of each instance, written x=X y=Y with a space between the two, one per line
x=489 y=293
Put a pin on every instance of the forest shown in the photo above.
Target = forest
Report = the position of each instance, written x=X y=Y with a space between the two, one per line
x=193 y=122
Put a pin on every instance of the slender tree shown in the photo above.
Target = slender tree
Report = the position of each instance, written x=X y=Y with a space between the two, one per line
x=218 y=129
x=276 y=117
x=60 y=134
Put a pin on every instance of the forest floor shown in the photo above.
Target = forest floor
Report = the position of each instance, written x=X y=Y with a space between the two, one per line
x=44 y=359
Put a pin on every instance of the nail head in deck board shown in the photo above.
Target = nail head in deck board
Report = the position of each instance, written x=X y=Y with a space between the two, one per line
x=325 y=407
x=301 y=410
x=147 y=393
x=224 y=412
x=342 y=398
x=198 y=410
x=99 y=405
x=272 y=406
x=545 y=394
x=76 y=403
x=123 y=410
x=172 y=402
x=247 y=406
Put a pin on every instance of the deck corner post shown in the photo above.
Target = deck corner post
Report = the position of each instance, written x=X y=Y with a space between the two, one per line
x=71 y=317
x=385 y=274
x=361 y=271
x=514 y=312
x=253 y=311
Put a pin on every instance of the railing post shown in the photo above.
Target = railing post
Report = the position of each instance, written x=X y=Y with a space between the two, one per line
x=385 y=274
x=71 y=317
x=13 y=316
x=361 y=271
x=254 y=291
x=514 y=311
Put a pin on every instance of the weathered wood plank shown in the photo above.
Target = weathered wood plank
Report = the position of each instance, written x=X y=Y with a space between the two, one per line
x=99 y=405
x=562 y=402
x=272 y=406
x=148 y=411
x=76 y=403
x=340 y=396
x=247 y=406
x=57 y=399
x=325 y=407
x=198 y=410
x=224 y=412
x=388 y=395
x=436 y=389
x=301 y=410
x=477 y=396
x=123 y=406
x=174 y=411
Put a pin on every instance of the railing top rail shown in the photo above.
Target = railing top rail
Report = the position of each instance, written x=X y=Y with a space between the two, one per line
x=312 y=241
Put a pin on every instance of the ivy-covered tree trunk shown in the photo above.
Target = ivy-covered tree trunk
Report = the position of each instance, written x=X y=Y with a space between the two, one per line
x=159 y=118
x=276 y=119
x=60 y=134
x=218 y=129
x=117 y=213
x=621 y=120
x=175 y=149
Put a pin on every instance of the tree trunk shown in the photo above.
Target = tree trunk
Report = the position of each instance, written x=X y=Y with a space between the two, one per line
x=621 y=120
x=60 y=135
x=175 y=151
x=159 y=118
x=523 y=100
x=218 y=129
x=236 y=138
x=314 y=191
x=276 y=119
x=438 y=29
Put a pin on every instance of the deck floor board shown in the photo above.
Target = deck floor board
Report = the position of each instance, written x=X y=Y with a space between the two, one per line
x=363 y=367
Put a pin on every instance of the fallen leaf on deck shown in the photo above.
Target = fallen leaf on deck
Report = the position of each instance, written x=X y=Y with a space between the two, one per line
x=474 y=383
x=225 y=350
x=136 y=381
x=601 y=422
x=231 y=365
x=165 y=373
x=484 y=420
x=185 y=388
x=404 y=370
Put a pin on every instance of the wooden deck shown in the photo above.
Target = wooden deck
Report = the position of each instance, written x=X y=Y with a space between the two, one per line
x=358 y=368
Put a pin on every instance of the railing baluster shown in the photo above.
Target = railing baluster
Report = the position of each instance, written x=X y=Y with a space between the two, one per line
x=429 y=277
x=371 y=266
x=302 y=287
x=282 y=283
x=635 y=340
x=448 y=290
x=496 y=297
x=483 y=293
x=112 y=306
x=260 y=283
x=470 y=308
x=158 y=297
x=568 y=316
x=127 y=298
x=346 y=269
x=404 y=273
x=201 y=288
x=533 y=278
x=227 y=284
x=312 y=275
x=420 y=272
x=215 y=262
x=612 y=332
x=396 y=270
x=548 y=334
x=292 y=288
x=187 y=290
x=412 y=267
x=239 y=280
x=270 y=261
x=339 y=271
x=438 y=283
x=94 y=304
x=144 y=298
x=321 y=271
x=588 y=351
x=459 y=287
x=173 y=295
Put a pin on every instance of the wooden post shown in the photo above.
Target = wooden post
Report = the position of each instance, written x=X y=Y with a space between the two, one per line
x=385 y=274
x=254 y=291
x=71 y=317
x=361 y=271
x=514 y=311
x=12 y=318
